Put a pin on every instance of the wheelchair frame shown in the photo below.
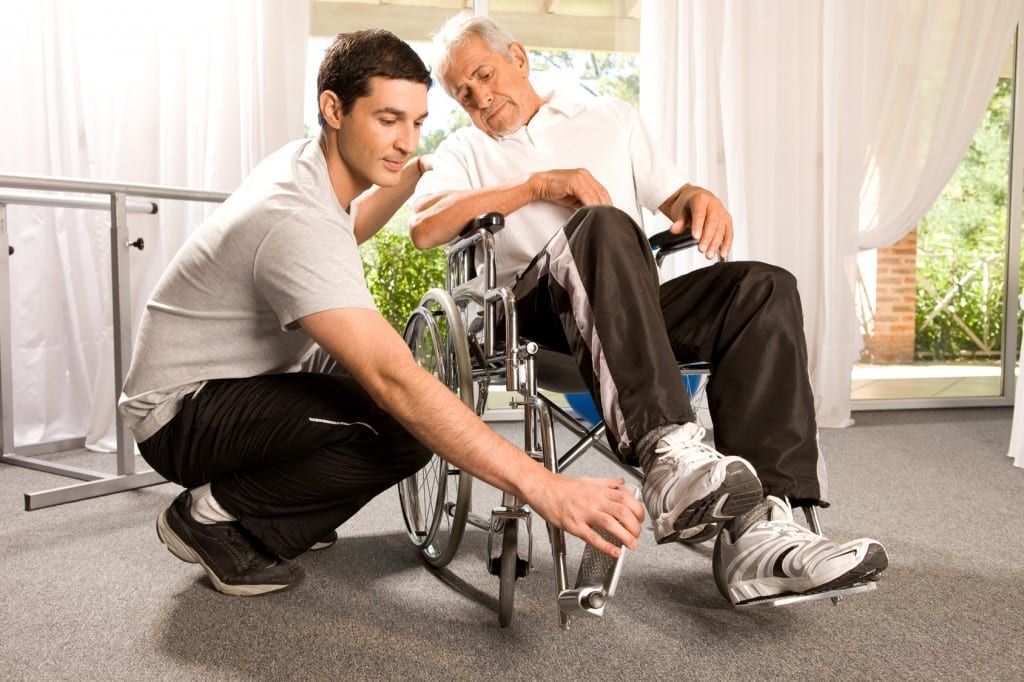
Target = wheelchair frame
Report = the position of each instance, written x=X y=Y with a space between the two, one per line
x=436 y=500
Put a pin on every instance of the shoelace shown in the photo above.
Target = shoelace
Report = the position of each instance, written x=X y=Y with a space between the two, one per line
x=693 y=451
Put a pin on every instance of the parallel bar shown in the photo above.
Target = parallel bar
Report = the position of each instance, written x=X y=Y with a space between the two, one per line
x=121 y=288
x=86 y=491
x=40 y=182
x=50 y=447
x=54 y=468
x=98 y=483
x=6 y=363
x=34 y=199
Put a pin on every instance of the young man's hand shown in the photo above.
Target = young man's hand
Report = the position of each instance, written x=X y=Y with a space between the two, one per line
x=579 y=506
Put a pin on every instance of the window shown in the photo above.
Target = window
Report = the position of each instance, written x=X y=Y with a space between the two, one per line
x=932 y=307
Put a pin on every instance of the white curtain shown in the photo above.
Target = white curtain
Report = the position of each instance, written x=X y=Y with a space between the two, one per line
x=187 y=93
x=813 y=120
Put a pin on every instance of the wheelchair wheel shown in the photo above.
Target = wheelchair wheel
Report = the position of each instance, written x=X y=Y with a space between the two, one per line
x=435 y=500
x=507 y=576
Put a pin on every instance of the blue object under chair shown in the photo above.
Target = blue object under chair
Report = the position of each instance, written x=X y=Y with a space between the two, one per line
x=583 y=405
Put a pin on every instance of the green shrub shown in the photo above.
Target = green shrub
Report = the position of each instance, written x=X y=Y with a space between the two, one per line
x=962 y=249
x=399 y=274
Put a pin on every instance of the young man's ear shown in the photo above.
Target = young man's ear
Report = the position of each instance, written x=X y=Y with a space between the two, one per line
x=330 y=108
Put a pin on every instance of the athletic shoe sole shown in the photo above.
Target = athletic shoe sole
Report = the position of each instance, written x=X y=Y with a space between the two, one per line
x=739 y=492
x=181 y=549
x=869 y=569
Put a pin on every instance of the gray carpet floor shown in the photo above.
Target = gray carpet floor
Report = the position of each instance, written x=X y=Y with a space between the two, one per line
x=87 y=591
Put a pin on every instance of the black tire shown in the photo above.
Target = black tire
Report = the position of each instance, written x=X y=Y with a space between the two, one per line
x=436 y=499
x=508 y=573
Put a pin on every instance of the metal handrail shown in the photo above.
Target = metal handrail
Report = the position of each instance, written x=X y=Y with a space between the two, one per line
x=40 y=182
x=97 y=483
x=56 y=201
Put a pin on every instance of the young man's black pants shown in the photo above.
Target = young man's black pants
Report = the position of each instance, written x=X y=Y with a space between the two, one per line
x=291 y=456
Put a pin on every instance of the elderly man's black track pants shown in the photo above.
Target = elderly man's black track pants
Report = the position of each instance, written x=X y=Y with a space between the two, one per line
x=594 y=292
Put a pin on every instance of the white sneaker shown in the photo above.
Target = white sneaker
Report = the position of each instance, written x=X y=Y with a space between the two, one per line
x=777 y=557
x=691 y=484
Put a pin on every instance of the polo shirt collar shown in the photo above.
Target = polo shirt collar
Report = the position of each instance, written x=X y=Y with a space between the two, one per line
x=565 y=101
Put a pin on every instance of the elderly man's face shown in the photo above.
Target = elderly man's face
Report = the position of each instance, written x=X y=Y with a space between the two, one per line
x=494 y=91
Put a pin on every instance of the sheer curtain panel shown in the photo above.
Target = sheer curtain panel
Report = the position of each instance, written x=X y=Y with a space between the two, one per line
x=187 y=93
x=813 y=120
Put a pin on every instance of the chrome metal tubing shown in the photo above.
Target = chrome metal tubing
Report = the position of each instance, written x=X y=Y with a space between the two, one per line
x=117 y=202
x=57 y=201
x=555 y=535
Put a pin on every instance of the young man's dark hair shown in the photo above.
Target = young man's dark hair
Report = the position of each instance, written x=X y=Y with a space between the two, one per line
x=354 y=58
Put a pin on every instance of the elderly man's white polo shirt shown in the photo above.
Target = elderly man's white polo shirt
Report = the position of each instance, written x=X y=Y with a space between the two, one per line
x=572 y=130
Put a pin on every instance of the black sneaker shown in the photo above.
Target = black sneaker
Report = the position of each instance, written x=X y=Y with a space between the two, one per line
x=234 y=563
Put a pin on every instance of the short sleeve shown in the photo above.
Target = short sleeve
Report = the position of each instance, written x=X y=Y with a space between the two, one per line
x=656 y=177
x=304 y=267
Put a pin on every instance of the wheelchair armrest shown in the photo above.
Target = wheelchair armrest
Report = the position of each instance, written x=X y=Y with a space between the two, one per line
x=492 y=222
x=470 y=235
x=666 y=242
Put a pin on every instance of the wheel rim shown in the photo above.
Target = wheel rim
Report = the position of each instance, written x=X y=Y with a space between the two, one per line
x=435 y=500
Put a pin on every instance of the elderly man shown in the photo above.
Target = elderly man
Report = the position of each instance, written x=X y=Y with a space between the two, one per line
x=571 y=173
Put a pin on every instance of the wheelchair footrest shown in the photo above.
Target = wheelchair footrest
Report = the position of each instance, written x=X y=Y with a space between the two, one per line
x=596 y=580
x=835 y=595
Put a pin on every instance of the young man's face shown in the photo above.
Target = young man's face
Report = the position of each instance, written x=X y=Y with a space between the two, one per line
x=382 y=131
x=494 y=91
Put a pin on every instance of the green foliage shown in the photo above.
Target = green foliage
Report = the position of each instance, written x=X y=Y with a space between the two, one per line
x=601 y=73
x=397 y=272
x=961 y=248
x=429 y=142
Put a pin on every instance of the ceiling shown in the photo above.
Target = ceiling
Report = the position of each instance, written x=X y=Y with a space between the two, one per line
x=612 y=25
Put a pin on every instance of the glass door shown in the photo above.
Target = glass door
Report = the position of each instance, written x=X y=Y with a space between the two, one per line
x=939 y=308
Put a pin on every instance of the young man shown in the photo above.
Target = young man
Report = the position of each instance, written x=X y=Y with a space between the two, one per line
x=571 y=174
x=274 y=459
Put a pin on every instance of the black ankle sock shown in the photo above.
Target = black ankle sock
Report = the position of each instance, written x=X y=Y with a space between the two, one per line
x=740 y=524
x=644 y=449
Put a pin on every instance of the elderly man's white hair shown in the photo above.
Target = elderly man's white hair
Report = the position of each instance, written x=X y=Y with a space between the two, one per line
x=460 y=27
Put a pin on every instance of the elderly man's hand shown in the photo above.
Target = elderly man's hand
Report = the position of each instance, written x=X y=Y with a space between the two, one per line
x=572 y=188
x=705 y=215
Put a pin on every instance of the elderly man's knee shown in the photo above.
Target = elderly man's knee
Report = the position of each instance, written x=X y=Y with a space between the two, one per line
x=608 y=224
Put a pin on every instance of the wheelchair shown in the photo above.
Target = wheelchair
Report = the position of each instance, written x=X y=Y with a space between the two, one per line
x=466 y=334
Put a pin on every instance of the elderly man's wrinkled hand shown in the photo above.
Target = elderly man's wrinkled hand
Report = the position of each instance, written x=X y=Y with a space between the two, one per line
x=572 y=188
x=709 y=221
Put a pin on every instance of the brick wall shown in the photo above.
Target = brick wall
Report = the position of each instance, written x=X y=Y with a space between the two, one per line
x=896 y=279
